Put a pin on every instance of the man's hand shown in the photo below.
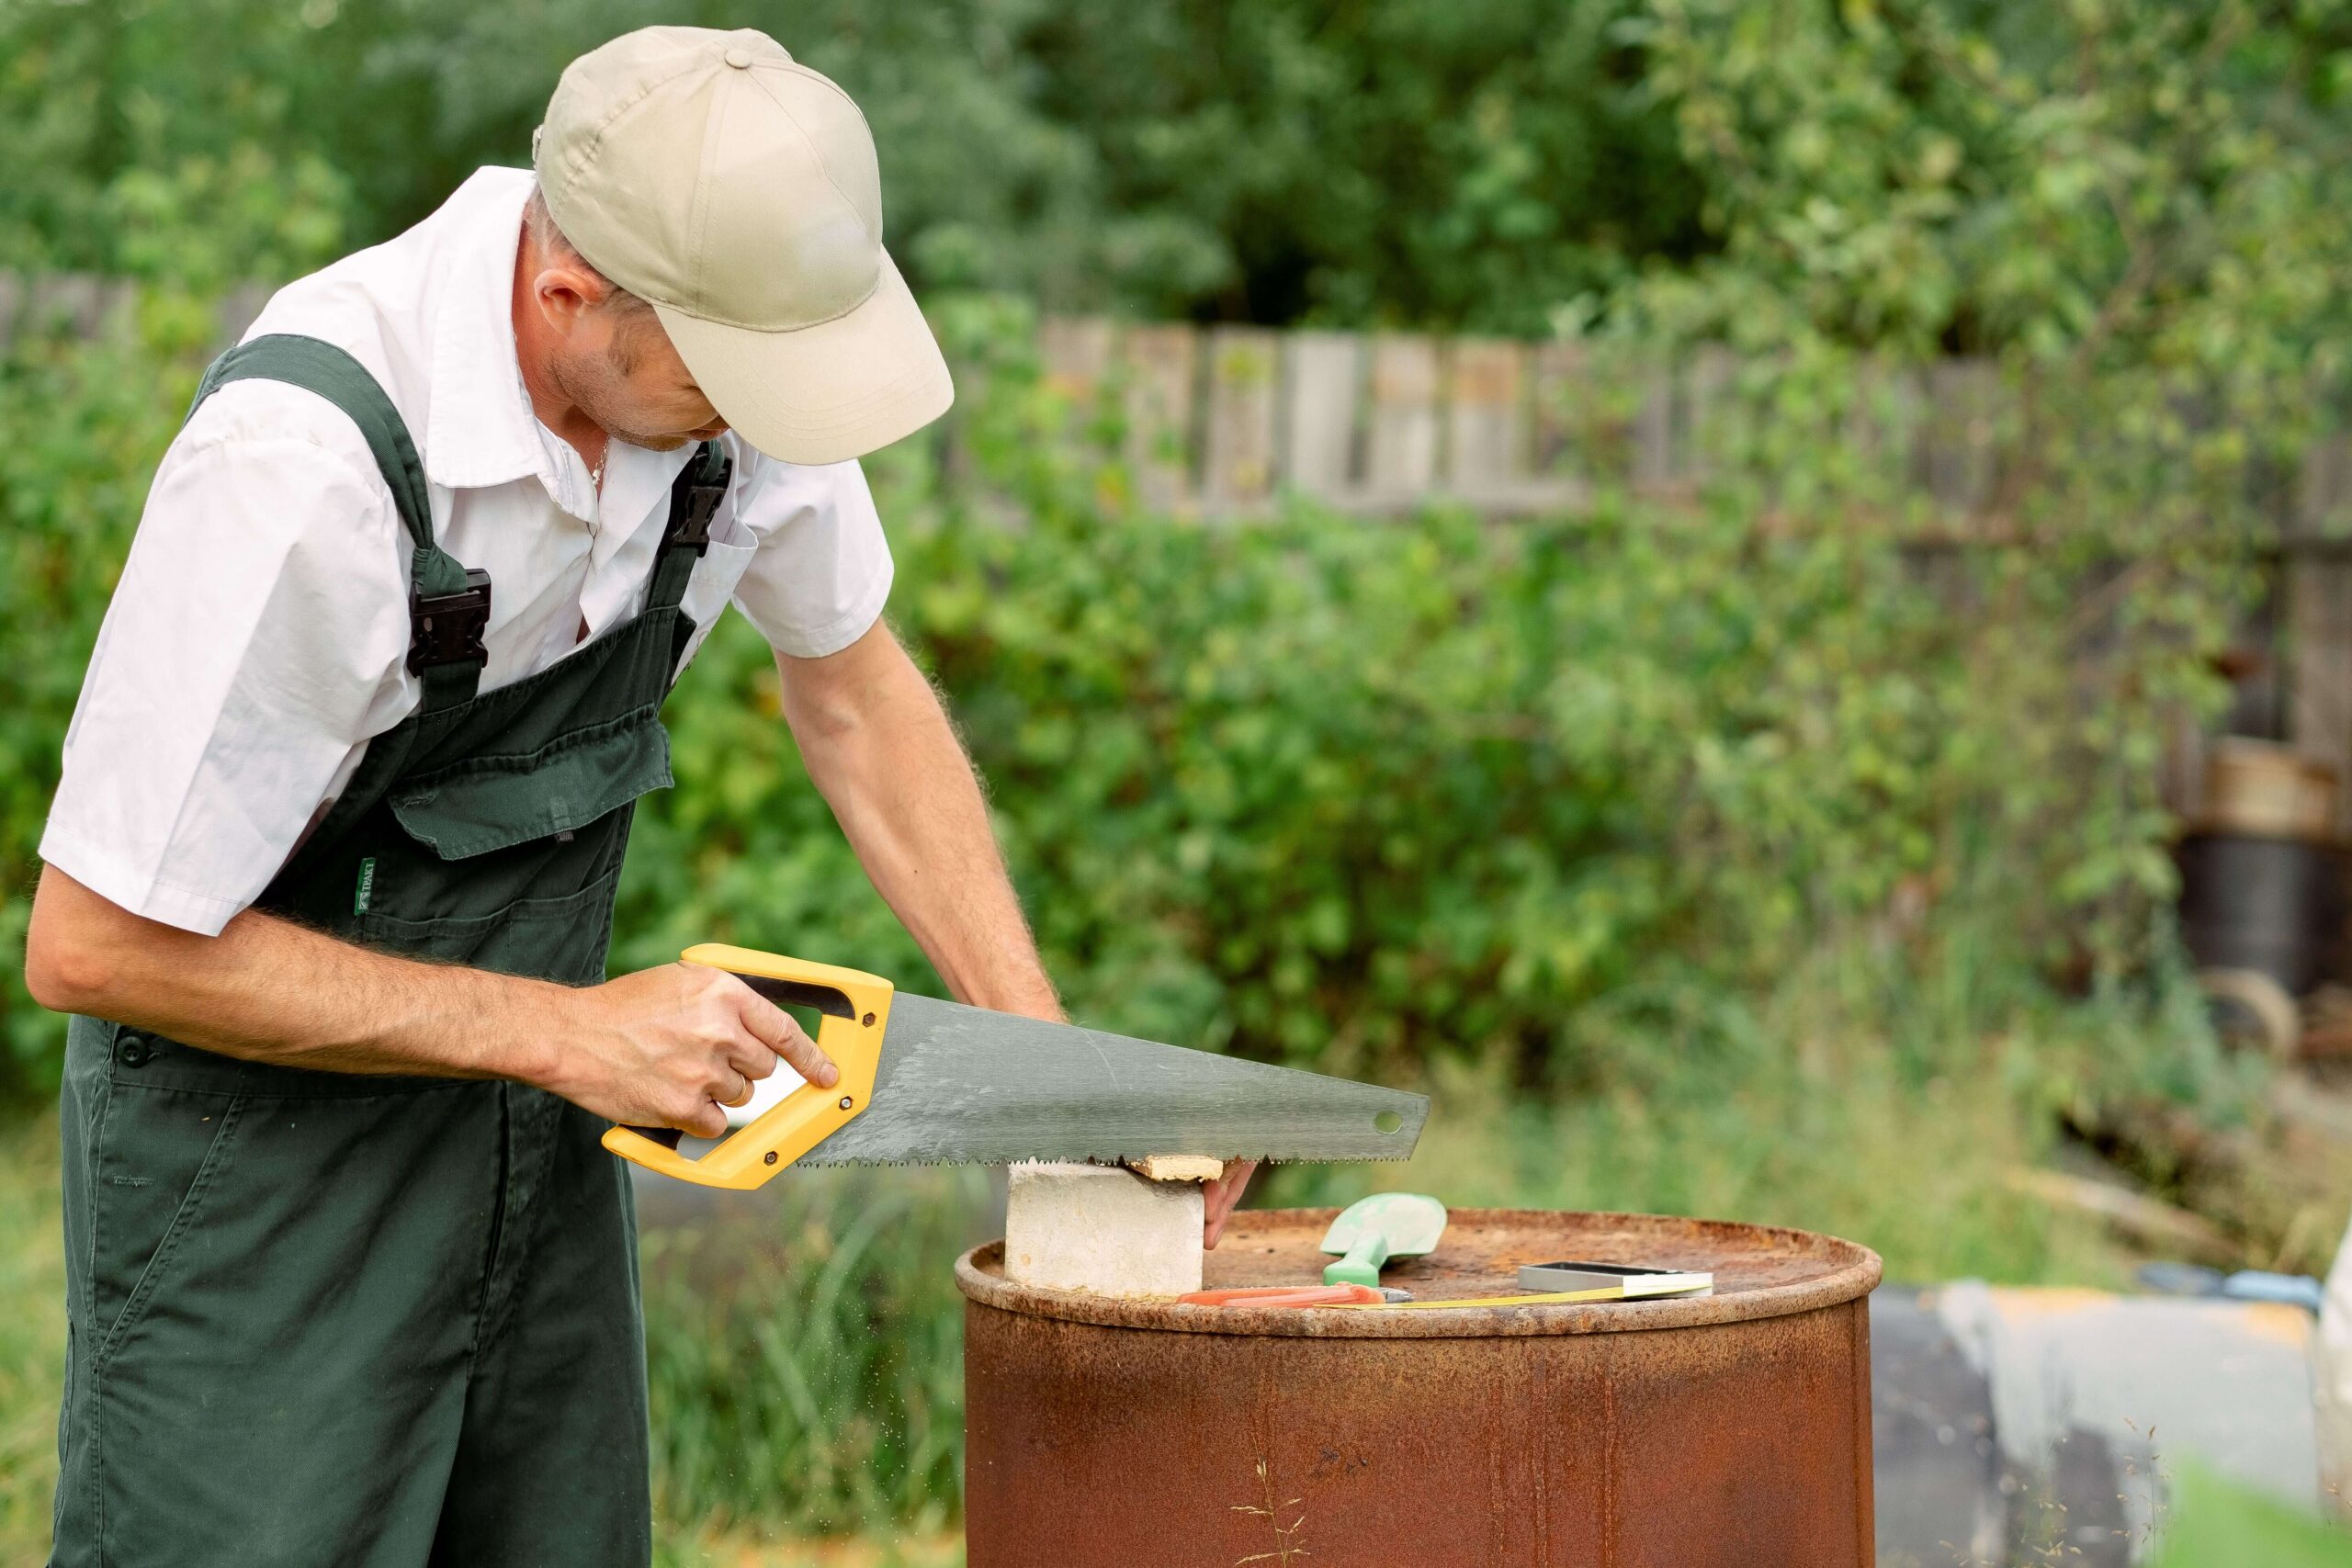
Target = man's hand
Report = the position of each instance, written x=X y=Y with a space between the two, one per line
x=1221 y=1197
x=672 y=1047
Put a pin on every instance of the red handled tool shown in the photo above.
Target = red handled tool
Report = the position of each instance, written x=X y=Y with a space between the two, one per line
x=1296 y=1296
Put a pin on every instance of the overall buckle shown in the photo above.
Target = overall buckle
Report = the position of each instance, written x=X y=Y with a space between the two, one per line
x=691 y=524
x=446 y=628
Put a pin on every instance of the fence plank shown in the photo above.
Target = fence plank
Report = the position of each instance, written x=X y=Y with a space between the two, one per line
x=1238 y=468
x=1710 y=426
x=1378 y=423
x=239 y=310
x=1562 y=374
x=1883 y=425
x=77 y=300
x=1654 y=445
x=1159 y=366
x=1075 y=355
x=1322 y=377
x=2319 y=622
x=1485 y=415
x=2322 y=505
x=1957 y=456
x=1401 y=456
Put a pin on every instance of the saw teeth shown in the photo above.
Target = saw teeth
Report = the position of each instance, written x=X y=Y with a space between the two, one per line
x=1054 y=1159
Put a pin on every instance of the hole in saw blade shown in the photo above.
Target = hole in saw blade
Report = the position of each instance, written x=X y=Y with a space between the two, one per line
x=783 y=1081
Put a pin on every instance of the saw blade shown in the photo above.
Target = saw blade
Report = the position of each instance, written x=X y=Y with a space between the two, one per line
x=965 y=1086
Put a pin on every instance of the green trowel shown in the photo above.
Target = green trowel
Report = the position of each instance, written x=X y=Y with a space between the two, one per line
x=1372 y=1230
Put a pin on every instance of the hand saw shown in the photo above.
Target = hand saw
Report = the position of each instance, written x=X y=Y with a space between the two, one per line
x=926 y=1081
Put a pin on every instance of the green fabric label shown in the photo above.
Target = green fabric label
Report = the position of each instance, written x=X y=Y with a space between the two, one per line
x=366 y=886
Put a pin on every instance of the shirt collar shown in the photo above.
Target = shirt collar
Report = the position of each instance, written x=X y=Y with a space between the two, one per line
x=480 y=430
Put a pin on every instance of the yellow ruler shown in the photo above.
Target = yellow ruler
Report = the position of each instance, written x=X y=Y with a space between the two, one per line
x=1602 y=1293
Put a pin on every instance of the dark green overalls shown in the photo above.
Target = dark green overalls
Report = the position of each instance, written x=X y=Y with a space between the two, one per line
x=330 y=1320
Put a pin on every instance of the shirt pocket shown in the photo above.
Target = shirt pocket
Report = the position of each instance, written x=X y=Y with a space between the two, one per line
x=722 y=566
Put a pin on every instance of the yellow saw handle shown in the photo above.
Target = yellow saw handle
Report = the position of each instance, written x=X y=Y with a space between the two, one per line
x=856 y=1009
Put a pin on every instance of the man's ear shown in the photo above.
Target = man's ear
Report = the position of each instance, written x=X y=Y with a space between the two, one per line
x=566 y=294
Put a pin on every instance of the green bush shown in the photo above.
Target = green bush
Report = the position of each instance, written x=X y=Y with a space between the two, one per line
x=1340 y=794
x=1354 y=795
x=87 y=418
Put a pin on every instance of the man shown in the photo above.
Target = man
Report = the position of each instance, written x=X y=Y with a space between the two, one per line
x=330 y=870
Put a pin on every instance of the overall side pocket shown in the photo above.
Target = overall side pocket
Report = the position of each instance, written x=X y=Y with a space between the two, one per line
x=160 y=1152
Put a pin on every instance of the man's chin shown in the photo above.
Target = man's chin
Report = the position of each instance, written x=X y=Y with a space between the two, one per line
x=669 y=442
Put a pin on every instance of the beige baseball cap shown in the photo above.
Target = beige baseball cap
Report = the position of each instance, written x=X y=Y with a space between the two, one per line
x=738 y=191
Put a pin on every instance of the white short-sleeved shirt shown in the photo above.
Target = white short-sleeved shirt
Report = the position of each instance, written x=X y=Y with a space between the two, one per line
x=259 y=634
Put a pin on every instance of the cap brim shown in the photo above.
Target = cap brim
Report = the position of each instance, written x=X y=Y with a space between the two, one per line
x=826 y=393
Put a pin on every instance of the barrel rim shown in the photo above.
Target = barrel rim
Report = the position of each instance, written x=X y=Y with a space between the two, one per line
x=1852 y=1271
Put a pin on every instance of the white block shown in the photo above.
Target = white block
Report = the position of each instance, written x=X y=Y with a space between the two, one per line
x=1101 y=1229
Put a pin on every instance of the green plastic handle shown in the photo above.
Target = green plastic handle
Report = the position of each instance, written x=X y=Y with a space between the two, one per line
x=1362 y=1265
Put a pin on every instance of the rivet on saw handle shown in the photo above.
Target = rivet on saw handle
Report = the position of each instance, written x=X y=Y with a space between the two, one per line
x=852 y=1003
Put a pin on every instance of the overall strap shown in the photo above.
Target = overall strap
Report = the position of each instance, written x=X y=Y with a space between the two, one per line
x=695 y=496
x=449 y=604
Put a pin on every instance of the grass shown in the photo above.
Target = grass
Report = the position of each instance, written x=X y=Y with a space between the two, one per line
x=720 y=1548
x=32 y=1336
x=807 y=1358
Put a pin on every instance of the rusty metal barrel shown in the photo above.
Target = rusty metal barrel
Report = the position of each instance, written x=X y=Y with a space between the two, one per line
x=1732 y=1429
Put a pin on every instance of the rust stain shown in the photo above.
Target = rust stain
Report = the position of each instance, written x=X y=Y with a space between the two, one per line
x=1608 y=1457
x=1540 y=1515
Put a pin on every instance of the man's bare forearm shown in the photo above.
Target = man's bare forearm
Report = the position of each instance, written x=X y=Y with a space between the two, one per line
x=667 y=1046
x=877 y=742
x=878 y=745
x=270 y=990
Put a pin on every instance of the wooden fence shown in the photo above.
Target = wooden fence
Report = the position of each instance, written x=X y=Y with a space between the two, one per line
x=1224 y=421
x=82 y=302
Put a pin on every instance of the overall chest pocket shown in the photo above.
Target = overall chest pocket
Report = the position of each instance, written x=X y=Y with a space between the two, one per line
x=510 y=862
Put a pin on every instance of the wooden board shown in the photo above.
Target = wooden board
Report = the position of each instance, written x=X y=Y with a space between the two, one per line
x=1238 y=452
x=1322 y=384
x=1401 y=459
x=1159 y=366
x=2323 y=491
x=1710 y=426
x=1958 y=457
x=1882 y=427
x=1485 y=416
x=2319 y=635
x=1558 y=409
x=79 y=302
x=239 y=310
x=1653 y=455
x=1074 y=354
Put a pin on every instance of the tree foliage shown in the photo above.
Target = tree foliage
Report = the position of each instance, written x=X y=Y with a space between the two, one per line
x=1334 y=794
x=1268 y=160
